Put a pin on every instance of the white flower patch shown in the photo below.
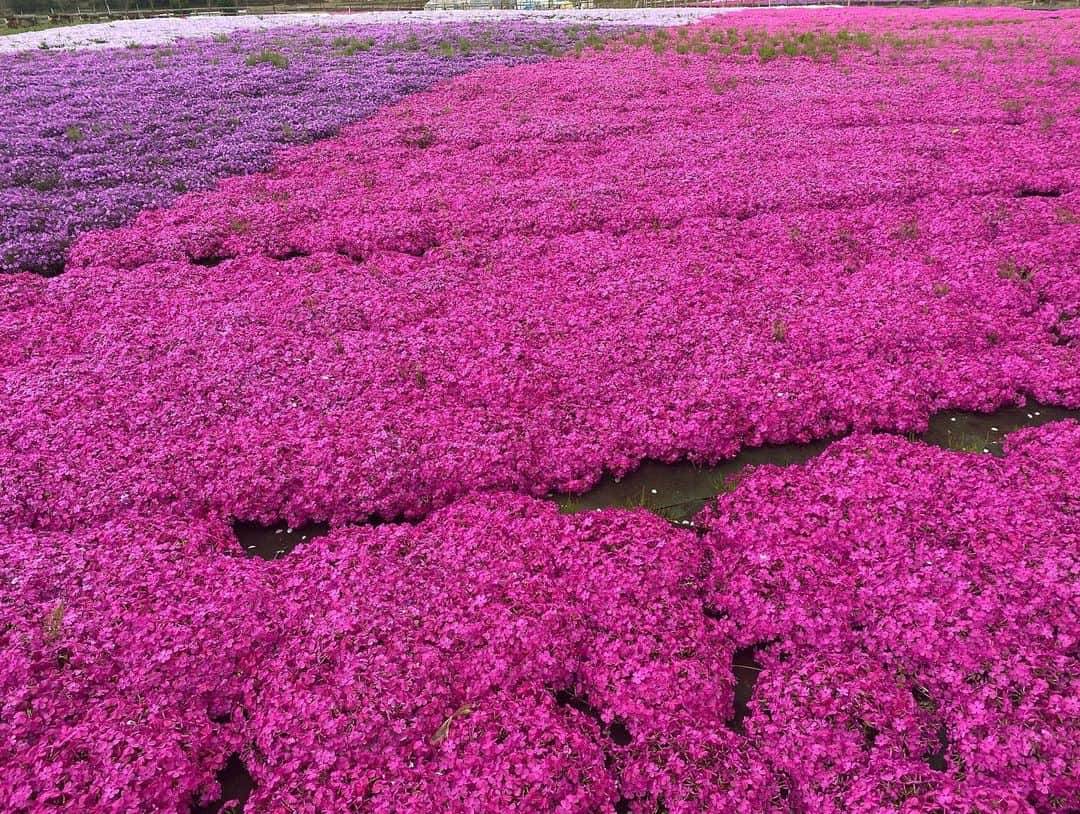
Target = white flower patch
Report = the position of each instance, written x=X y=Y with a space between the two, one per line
x=160 y=30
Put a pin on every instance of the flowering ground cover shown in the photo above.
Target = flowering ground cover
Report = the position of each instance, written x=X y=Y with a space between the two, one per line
x=534 y=274
x=164 y=30
x=91 y=138
x=915 y=615
x=913 y=612
x=671 y=245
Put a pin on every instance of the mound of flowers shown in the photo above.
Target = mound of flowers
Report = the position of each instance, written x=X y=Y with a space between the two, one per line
x=89 y=139
x=912 y=611
x=498 y=653
x=122 y=651
x=672 y=247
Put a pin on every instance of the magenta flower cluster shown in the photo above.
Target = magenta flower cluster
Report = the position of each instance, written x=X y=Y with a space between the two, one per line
x=913 y=611
x=88 y=139
x=771 y=228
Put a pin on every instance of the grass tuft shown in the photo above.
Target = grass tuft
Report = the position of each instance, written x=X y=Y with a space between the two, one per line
x=278 y=60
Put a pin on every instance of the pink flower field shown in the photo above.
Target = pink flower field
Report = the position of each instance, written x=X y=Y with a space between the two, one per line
x=665 y=244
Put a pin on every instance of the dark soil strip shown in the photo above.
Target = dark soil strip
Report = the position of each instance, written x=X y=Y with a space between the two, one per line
x=747 y=669
x=678 y=491
x=209 y=261
x=236 y=785
x=290 y=254
x=936 y=759
x=617 y=731
x=869 y=733
x=1038 y=192
x=275 y=541
x=272 y=542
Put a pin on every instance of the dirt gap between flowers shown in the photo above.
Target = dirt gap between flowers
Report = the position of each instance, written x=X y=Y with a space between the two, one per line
x=236 y=786
x=677 y=491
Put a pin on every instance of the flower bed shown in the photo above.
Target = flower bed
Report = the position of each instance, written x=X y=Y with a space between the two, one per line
x=914 y=611
x=534 y=274
x=90 y=139
x=164 y=30
x=672 y=246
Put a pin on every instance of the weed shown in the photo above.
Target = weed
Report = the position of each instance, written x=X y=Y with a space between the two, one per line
x=348 y=46
x=569 y=506
x=965 y=441
x=1011 y=270
x=1013 y=109
x=649 y=503
x=908 y=230
x=723 y=484
x=45 y=183
x=274 y=58
x=410 y=43
x=443 y=732
x=53 y=627
x=1064 y=216
x=724 y=85
x=420 y=136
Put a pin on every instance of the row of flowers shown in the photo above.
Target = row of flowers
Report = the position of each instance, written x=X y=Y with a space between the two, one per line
x=166 y=30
